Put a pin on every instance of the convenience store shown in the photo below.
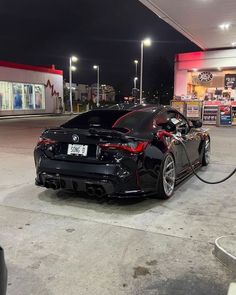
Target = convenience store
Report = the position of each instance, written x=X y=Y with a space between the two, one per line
x=26 y=89
x=205 y=85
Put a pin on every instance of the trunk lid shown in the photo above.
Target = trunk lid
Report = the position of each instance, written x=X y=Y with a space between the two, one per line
x=83 y=141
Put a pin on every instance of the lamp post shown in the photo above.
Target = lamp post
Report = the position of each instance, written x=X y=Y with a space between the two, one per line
x=136 y=67
x=135 y=82
x=71 y=69
x=146 y=42
x=97 y=68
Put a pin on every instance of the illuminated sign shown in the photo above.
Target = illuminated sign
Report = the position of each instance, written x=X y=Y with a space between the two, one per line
x=205 y=77
x=230 y=81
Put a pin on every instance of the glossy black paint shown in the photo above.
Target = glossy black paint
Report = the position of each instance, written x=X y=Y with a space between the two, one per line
x=116 y=172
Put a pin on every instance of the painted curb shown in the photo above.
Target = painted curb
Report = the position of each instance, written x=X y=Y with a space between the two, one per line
x=223 y=255
x=232 y=289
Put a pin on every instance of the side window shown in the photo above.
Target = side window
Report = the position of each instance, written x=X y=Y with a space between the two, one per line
x=159 y=120
x=180 y=122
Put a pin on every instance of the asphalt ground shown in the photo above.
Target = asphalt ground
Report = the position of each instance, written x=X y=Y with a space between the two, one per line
x=63 y=243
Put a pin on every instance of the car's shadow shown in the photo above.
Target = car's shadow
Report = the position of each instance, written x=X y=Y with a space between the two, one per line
x=105 y=204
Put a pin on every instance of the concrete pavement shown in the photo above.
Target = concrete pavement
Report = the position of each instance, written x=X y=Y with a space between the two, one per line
x=62 y=243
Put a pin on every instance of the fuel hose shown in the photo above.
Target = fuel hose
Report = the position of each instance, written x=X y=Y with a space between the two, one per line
x=193 y=170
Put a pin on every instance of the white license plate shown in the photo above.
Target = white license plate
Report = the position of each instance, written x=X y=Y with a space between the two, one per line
x=77 y=150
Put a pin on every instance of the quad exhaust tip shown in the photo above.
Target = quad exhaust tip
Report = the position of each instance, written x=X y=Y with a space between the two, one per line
x=95 y=191
x=52 y=184
x=92 y=190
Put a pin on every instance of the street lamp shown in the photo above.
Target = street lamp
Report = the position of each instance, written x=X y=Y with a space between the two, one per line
x=136 y=67
x=135 y=82
x=146 y=42
x=71 y=69
x=97 y=68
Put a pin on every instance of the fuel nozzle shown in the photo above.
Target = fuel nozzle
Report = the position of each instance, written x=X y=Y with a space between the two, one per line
x=162 y=133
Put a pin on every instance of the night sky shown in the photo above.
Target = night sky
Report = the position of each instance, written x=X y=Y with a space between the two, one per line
x=104 y=32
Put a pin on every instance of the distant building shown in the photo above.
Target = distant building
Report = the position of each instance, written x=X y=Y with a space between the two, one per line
x=26 y=89
x=85 y=93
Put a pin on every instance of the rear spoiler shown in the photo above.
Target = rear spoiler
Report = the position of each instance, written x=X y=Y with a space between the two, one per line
x=108 y=134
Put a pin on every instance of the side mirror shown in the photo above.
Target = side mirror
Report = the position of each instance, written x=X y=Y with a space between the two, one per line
x=196 y=123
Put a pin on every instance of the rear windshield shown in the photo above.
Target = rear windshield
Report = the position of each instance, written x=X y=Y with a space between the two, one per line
x=135 y=120
x=97 y=118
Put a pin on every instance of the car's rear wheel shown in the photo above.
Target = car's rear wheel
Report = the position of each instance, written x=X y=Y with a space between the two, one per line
x=167 y=178
x=206 y=152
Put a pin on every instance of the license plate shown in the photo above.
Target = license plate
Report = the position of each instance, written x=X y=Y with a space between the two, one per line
x=77 y=150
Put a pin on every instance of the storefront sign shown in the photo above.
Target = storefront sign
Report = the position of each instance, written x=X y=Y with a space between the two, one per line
x=230 y=81
x=205 y=77
x=225 y=115
x=193 y=109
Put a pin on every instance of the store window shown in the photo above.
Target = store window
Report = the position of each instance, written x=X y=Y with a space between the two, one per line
x=28 y=97
x=212 y=85
x=5 y=96
x=39 y=95
x=19 y=96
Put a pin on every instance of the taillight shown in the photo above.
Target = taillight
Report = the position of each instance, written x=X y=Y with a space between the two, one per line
x=45 y=141
x=132 y=147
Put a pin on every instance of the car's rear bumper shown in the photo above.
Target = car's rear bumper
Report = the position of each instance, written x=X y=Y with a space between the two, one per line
x=94 y=179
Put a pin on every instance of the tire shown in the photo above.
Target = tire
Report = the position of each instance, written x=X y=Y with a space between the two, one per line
x=166 y=183
x=206 y=152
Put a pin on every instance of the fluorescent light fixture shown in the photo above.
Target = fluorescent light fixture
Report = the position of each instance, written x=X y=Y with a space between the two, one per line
x=224 y=26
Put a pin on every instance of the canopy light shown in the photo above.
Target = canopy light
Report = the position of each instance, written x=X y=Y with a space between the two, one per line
x=224 y=26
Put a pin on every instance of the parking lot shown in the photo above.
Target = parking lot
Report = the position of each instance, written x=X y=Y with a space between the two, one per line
x=59 y=243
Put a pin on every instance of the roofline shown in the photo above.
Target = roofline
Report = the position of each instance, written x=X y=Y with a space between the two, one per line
x=159 y=12
x=30 y=68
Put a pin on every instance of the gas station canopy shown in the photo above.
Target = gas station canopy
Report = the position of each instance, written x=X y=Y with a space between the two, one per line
x=210 y=24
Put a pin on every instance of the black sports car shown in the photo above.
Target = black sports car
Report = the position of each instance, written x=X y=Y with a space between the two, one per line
x=122 y=153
